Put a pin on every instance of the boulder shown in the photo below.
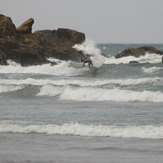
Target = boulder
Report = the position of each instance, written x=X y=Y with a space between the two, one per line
x=130 y=52
x=7 y=28
x=137 y=52
x=150 y=49
x=26 y=27
x=69 y=35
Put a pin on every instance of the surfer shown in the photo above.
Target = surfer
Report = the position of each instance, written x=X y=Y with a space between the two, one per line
x=86 y=61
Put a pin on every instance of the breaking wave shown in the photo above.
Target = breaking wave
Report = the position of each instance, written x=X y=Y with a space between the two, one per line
x=63 y=68
x=79 y=82
x=76 y=129
x=100 y=94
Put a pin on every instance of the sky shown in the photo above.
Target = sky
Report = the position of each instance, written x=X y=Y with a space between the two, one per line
x=104 y=21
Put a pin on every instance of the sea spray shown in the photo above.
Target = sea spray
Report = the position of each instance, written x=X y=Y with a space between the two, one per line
x=89 y=48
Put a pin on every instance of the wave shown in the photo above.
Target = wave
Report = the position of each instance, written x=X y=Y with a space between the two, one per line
x=148 y=58
x=84 y=89
x=79 y=82
x=90 y=47
x=76 y=129
x=10 y=88
x=100 y=94
x=63 y=68
x=152 y=69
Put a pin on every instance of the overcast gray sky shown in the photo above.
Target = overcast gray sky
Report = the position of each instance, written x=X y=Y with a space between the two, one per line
x=104 y=21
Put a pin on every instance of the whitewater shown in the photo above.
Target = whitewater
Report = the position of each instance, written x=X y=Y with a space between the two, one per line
x=72 y=114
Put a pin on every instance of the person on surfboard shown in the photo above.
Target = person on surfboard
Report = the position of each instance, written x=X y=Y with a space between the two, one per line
x=86 y=60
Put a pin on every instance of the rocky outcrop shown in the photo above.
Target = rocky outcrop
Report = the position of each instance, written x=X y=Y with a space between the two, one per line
x=131 y=62
x=26 y=27
x=28 y=48
x=137 y=52
x=7 y=28
x=70 y=35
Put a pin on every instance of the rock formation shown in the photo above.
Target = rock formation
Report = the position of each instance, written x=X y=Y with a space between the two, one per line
x=26 y=27
x=7 y=28
x=70 y=36
x=137 y=52
x=26 y=48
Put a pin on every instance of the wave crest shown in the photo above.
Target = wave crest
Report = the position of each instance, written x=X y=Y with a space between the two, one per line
x=76 y=129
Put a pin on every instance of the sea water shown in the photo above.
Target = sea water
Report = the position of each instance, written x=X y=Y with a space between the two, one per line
x=111 y=112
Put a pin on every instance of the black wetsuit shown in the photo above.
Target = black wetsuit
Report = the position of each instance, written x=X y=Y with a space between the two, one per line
x=87 y=61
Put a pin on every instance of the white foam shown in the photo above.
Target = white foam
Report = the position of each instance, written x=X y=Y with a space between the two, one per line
x=61 y=69
x=9 y=88
x=152 y=69
x=80 y=82
x=99 y=94
x=89 y=47
x=49 y=90
x=148 y=58
x=76 y=129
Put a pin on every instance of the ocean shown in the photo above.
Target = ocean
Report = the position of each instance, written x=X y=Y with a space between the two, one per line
x=109 y=113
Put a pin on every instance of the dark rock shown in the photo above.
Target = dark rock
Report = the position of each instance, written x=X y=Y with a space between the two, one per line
x=3 y=59
x=58 y=48
x=22 y=51
x=133 y=62
x=150 y=49
x=130 y=52
x=26 y=27
x=7 y=28
x=28 y=48
x=137 y=52
x=69 y=35
x=48 y=35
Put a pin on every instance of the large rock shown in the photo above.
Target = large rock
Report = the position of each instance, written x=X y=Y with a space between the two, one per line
x=137 y=52
x=28 y=48
x=7 y=28
x=150 y=49
x=61 y=47
x=48 y=35
x=23 y=51
x=130 y=52
x=26 y=27
x=69 y=35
